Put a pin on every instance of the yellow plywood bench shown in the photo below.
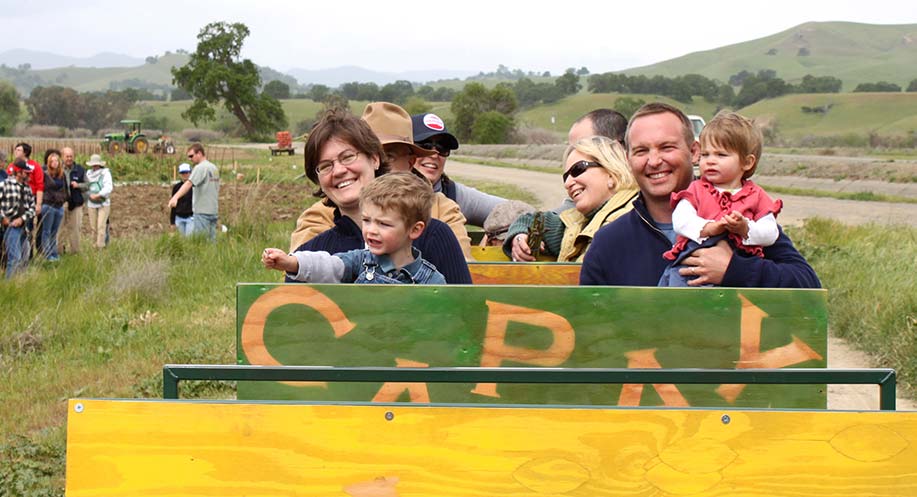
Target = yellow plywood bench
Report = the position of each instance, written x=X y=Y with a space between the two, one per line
x=157 y=448
x=518 y=273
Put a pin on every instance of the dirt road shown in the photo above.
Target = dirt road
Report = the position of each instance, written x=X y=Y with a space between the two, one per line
x=548 y=189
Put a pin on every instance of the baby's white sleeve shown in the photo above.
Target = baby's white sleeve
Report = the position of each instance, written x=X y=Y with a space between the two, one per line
x=762 y=232
x=687 y=223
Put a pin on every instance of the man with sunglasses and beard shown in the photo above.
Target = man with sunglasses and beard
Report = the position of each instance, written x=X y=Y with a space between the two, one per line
x=430 y=133
x=661 y=150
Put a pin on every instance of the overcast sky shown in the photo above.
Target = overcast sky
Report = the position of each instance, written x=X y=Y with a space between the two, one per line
x=603 y=35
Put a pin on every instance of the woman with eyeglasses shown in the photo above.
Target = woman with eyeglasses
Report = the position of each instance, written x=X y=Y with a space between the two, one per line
x=392 y=126
x=343 y=155
x=598 y=180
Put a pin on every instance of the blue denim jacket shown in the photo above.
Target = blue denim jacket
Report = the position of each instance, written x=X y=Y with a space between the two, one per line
x=361 y=266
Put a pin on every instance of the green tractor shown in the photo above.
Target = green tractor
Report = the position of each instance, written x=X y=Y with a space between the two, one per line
x=132 y=140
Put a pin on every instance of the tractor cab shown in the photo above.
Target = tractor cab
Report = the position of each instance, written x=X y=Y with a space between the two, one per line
x=132 y=140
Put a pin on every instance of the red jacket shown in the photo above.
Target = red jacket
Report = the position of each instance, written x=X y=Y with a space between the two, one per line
x=36 y=176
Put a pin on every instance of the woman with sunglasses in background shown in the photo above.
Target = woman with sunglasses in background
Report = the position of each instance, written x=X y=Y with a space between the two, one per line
x=430 y=133
x=598 y=180
x=343 y=155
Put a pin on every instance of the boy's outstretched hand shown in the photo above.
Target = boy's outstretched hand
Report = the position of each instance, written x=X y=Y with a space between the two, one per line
x=274 y=258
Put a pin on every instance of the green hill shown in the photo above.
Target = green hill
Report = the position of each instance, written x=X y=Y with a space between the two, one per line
x=568 y=109
x=99 y=79
x=849 y=113
x=855 y=53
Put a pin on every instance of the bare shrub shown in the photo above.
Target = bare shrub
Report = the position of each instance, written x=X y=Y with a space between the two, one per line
x=104 y=131
x=79 y=133
x=535 y=136
x=200 y=135
x=40 y=131
x=25 y=342
x=144 y=278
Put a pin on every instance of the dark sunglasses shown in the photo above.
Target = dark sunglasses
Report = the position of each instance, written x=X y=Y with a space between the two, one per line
x=440 y=149
x=579 y=168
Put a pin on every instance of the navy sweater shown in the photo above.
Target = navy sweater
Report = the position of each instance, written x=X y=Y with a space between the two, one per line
x=628 y=252
x=437 y=245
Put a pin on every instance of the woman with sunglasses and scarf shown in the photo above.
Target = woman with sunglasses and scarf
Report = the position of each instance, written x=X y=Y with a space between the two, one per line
x=598 y=180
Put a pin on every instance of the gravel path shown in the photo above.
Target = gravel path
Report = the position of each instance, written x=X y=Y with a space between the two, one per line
x=549 y=190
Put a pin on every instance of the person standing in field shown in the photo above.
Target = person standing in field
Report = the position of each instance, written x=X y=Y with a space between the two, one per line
x=36 y=177
x=57 y=192
x=100 y=188
x=68 y=236
x=17 y=209
x=205 y=181
x=181 y=216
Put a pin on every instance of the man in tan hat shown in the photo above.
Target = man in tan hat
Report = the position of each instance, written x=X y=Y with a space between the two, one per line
x=392 y=125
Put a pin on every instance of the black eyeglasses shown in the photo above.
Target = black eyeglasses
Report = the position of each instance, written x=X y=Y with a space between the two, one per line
x=579 y=168
x=440 y=149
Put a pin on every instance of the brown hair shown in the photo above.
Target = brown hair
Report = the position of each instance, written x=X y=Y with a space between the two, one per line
x=197 y=148
x=54 y=173
x=342 y=125
x=661 y=108
x=411 y=197
x=736 y=134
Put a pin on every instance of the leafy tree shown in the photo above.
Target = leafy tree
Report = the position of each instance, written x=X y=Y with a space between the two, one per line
x=9 y=107
x=492 y=127
x=318 y=93
x=59 y=106
x=475 y=100
x=627 y=105
x=881 y=86
x=568 y=83
x=819 y=84
x=738 y=79
x=582 y=71
x=416 y=105
x=56 y=106
x=216 y=74
x=397 y=92
x=277 y=89
x=912 y=86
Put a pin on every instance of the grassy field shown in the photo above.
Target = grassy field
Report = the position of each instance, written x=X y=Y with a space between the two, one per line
x=849 y=114
x=569 y=109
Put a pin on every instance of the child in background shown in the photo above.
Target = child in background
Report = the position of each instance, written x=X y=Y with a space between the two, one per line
x=395 y=209
x=181 y=216
x=723 y=203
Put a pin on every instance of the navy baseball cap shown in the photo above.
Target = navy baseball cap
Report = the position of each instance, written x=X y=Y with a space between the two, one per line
x=429 y=125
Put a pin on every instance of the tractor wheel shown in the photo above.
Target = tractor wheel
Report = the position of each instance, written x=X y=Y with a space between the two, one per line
x=115 y=147
x=170 y=149
x=141 y=146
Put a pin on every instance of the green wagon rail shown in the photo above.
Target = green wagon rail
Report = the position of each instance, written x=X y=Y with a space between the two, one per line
x=886 y=379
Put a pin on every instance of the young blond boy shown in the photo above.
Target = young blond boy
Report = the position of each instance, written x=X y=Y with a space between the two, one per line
x=395 y=209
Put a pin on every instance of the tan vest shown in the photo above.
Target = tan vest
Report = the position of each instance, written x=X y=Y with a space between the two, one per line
x=578 y=231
